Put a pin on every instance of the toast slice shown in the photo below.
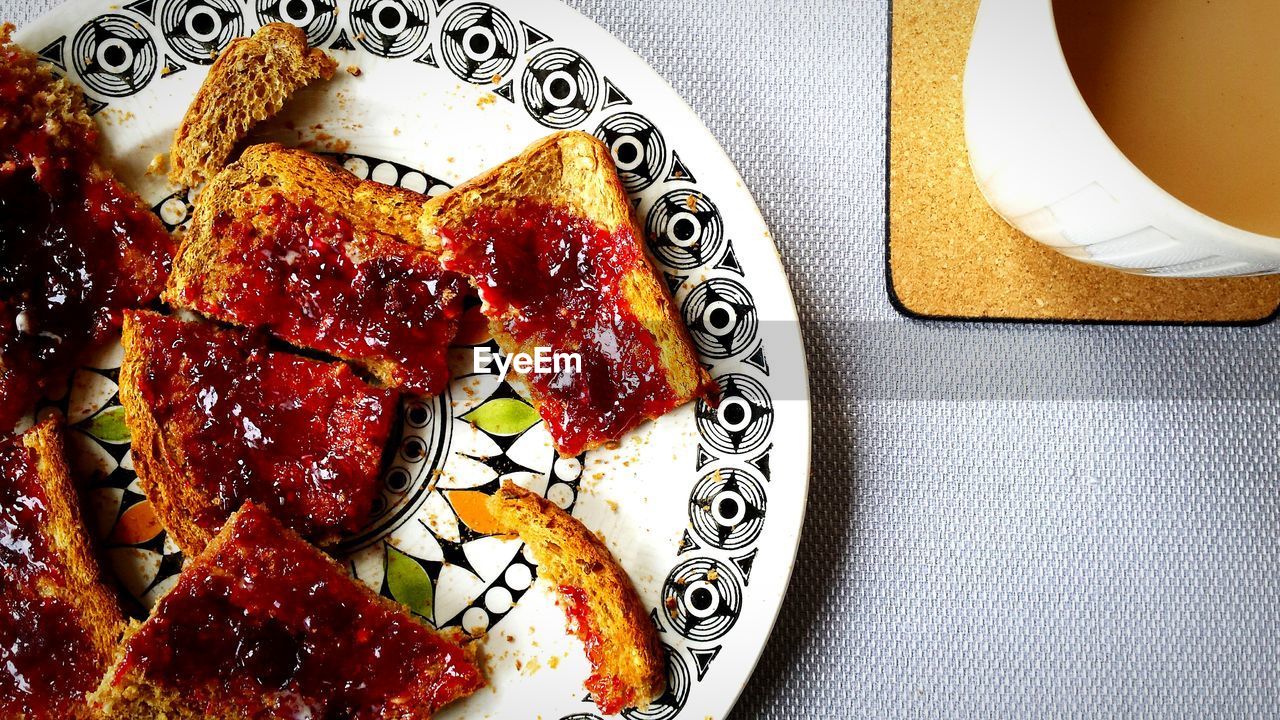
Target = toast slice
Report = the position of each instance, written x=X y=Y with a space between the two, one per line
x=76 y=246
x=261 y=625
x=550 y=241
x=604 y=611
x=248 y=83
x=219 y=419
x=60 y=622
x=292 y=243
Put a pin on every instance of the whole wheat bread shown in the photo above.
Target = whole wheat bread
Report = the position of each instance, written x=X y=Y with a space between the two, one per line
x=248 y=83
x=571 y=172
x=320 y=478
x=208 y=265
x=47 y=561
x=628 y=662
x=261 y=625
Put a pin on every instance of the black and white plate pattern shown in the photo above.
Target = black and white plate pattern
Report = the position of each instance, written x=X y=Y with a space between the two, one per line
x=703 y=507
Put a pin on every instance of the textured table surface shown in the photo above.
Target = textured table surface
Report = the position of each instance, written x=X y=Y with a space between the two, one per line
x=1003 y=520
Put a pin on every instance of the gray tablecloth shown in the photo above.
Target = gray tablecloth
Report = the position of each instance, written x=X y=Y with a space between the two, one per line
x=1004 y=520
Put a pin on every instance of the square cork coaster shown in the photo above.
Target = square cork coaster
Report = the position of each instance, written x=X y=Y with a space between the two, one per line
x=950 y=256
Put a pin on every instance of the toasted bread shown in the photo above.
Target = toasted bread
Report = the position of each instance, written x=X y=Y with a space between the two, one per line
x=261 y=624
x=627 y=659
x=248 y=83
x=288 y=241
x=219 y=419
x=550 y=240
x=60 y=622
x=78 y=246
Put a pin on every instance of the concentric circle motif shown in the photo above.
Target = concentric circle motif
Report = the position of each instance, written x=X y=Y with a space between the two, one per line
x=317 y=18
x=702 y=599
x=685 y=230
x=560 y=88
x=390 y=28
x=479 y=43
x=198 y=29
x=113 y=55
x=726 y=509
x=673 y=699
x=742 y=421
x=637 y=149
x=721 y=317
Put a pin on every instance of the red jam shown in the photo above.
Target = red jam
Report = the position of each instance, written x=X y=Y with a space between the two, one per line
x=267 y=627
x=555 y=280
x=24 y=553
x=609 y=692
x=47 y=665
x=76 y=246
x=301 y=437
x=315 y=282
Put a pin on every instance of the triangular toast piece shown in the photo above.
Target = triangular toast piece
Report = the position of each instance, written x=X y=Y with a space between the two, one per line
x=59 y=622
x=218 y=419
x=550 y=241
x=292 y=243
x=261 y=625
x=627 y=660
x=248 y=83
x=76 y=245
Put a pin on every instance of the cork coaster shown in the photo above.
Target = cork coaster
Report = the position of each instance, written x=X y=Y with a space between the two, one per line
x=951 y=256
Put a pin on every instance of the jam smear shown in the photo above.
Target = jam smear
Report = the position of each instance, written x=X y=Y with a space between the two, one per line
x=47 y=662
x=609 y=692
x=301 y=437
x=555 y=280
x=315 y=281
x=24 y=551
x=265 y=626
x=76 y=246
x=47 y=666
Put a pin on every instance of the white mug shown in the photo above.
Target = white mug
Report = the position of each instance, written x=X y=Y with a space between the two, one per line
x=1045 y=164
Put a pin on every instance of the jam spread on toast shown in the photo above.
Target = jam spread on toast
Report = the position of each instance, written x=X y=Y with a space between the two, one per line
x=262 y=625
x=553 y=279
x=76 y=246
x=609 y=692
x=24 y=551
x=46 y=662
x=314 y=281
x=46 y=666
x=301 y=437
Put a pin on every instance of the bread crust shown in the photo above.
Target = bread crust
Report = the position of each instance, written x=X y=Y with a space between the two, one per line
x=379 y=213
x=574 y=171
x=79 y=581
x=248 y=83
x=568 y=554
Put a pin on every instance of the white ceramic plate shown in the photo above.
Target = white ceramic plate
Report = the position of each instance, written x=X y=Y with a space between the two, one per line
x=702 y=507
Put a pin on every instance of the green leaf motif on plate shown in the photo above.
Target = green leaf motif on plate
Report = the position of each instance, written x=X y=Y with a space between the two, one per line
x=108 y=426
x=503 y=416
x=409 y=583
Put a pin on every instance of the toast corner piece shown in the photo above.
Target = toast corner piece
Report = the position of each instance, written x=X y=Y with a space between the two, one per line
x=249 y=82
x=627 y=659
x=573 y=172
x=129 y=690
